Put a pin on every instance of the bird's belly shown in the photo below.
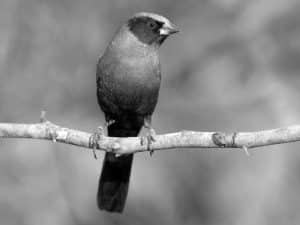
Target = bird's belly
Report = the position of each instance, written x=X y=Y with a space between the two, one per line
x=136 y=95
x=129 y=93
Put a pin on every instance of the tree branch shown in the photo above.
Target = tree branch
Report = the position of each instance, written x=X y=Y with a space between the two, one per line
x=184 y=139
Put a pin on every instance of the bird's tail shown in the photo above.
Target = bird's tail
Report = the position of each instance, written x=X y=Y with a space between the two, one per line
x=114 y=179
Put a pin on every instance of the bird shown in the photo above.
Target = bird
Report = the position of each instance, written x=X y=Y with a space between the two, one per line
x=128 y=82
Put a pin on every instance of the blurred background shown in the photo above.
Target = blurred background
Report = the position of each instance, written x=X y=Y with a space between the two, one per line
x=235 y=66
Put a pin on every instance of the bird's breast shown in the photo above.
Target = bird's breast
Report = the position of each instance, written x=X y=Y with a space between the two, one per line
x=132 y=83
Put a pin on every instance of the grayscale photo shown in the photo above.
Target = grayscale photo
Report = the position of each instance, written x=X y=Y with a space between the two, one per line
x=149 y=112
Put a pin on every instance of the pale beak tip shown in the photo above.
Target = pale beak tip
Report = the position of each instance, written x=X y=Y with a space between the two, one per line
x=174 y=29
x=169 y=29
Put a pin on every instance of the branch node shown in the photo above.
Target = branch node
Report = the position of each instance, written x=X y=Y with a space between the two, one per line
x=219 y=139
x=51 y=130
x=224 y=140
x=245 y=148
x=43 y=116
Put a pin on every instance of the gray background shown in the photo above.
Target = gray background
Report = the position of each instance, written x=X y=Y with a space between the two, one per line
x=234 y=67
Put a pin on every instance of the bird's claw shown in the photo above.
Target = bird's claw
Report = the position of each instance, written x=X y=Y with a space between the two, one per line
x=148 y=139
x=99 y=134
x=95 y=138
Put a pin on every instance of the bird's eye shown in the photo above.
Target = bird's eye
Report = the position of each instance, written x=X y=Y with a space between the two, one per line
x=151 y=25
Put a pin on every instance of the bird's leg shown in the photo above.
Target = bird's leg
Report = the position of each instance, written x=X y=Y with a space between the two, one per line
x=150 y=136
x=99 y=134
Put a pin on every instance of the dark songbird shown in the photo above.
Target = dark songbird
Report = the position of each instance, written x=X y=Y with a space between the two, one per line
x=128 y=81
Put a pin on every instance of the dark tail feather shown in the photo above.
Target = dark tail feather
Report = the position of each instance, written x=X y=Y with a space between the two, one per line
x=114 y=179
x=114 y=182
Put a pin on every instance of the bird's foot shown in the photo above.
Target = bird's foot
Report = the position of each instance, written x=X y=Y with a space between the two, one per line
x=98 y=136
x=95 y=138
x=148 y=139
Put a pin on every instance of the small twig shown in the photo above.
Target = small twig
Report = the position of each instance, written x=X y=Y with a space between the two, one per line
x=245 y=148
x=43 y=117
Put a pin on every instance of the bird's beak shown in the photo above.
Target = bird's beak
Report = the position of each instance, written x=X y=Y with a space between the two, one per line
x=168 y=29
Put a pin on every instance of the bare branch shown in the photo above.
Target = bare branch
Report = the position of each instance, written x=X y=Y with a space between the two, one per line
x=184 y=139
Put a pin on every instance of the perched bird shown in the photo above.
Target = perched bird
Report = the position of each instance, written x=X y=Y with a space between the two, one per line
x=128 y=82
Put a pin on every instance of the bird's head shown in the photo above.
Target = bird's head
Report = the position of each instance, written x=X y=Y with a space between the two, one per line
x=150 y=28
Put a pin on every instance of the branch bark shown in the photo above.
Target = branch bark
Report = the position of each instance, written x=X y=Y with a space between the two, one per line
x=184 y=139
